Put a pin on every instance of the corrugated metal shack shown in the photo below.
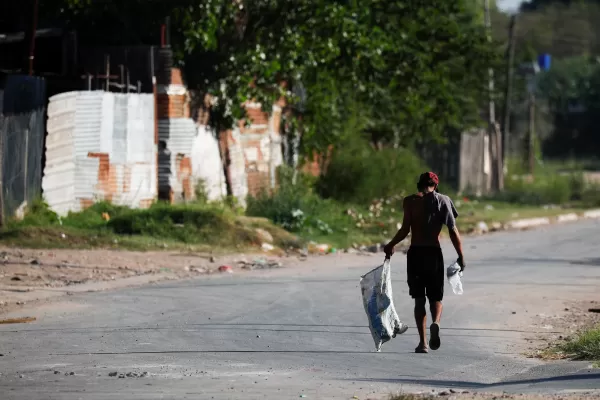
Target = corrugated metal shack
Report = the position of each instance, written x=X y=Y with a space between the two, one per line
x=22 y=110
x=100 y=147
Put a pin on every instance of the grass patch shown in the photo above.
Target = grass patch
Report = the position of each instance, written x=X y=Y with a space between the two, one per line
x=584 y=346
x=297 y=214
x=412 y=397
x=198 y=227
x=342 y=225
x=301 y=208
x=471 y=212
x=552 y=183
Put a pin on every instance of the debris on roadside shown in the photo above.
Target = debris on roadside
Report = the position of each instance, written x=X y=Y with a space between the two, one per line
x=496 y=226
x=128 y=375
x=259 y=263
x=267 y=247
x=198 y=270
x=315 y=248
x=482 y=227
x=226 y=269
x=264 y=235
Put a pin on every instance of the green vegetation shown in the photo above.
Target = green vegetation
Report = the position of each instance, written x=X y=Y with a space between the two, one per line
x=374 y=81
x=414 y=72
x=358 y=174
x=584 y=346
x=404 y=396
x=346 y=219
x=202 y=227
x=562 y=184
x=347 y=206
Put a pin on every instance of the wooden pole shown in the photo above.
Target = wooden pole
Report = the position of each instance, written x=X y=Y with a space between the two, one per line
x=1 y=178
x=33 y=32
x=509 y=83
x=531 y=141
x=497 y=169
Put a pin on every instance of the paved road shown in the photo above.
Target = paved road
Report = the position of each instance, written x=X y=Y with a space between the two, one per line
x=302 y=331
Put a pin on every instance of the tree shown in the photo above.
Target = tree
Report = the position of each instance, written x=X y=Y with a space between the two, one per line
x=571 y=90
x=415 y=70
x=533 y=5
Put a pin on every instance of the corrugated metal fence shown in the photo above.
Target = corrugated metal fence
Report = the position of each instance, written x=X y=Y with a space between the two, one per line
x=22 y=112
x=176 y=138
x=100 y=146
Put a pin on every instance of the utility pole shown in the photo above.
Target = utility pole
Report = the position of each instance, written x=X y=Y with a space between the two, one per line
x=488 y=27
x=30 y=33
x=509 y=83
x=495 y=140
x=531 y=141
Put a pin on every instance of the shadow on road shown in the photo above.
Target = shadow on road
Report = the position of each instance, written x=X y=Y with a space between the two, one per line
x=594 y=262
x=476 y=385
x=265 y=328
x=126 y=353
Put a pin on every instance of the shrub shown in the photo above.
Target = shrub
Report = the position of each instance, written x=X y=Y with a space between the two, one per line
x=584 y=346
x=591 y=195
x=37 y=214
x=284 y=205
x=184 y=223
x=359 y=174
x=201 y=192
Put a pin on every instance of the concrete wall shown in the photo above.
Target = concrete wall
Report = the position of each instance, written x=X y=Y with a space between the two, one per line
x=475 y=162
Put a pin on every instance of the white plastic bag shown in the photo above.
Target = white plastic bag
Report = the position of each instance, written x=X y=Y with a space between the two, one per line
x=376 y=287
x=454 y=275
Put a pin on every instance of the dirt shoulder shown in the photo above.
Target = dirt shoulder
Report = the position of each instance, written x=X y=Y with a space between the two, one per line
x=459 y=395
x=575 y=318
x=28 y=275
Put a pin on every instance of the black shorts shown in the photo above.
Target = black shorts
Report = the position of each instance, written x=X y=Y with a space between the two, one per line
x=425 y=270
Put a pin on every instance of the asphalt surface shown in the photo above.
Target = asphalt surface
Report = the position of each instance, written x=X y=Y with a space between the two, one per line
x=301 y=331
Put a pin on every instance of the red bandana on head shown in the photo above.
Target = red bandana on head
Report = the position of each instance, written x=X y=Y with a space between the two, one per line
x=434 y=178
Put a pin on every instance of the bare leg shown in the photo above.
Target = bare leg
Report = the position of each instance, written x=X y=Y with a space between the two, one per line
x=436 y=311
x=421 y=321
x=436 y=315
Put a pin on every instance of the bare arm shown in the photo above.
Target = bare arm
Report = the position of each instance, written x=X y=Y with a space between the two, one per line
x=450 y=214
x=402 y=232
x=456 y=241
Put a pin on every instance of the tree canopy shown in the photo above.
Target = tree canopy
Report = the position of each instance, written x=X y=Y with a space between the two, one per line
x=538 y=4
x=413 y=70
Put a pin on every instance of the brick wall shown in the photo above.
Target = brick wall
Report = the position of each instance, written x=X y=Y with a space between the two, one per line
x=252 y=151
x=173 y=99
x=173 y=105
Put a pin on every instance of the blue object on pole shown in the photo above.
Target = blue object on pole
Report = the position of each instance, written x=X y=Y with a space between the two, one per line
x=544 y=61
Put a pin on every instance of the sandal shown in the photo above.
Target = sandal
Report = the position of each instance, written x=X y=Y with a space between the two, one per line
x=421 y=349
x=434 y=341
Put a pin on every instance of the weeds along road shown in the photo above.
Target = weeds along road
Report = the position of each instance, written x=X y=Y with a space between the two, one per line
x=301 y=331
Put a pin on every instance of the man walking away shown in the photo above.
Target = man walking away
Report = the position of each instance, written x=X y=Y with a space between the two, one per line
x=424 y=215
